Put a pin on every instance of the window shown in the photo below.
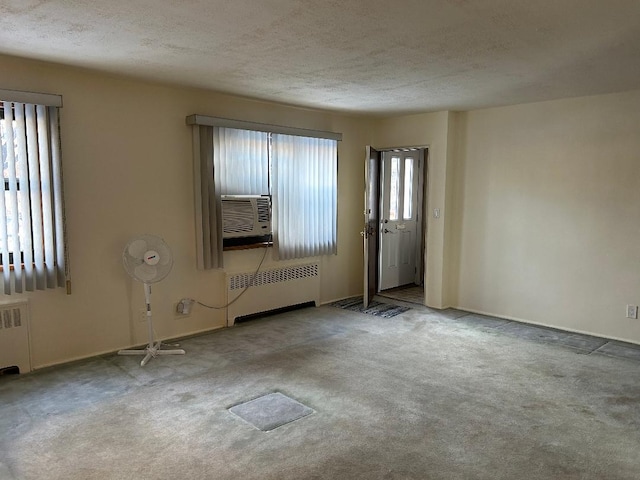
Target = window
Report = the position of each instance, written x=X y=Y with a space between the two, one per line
x=399 y=185
x=297 y=168
x=394 y=188
x=407 y=210
x=241 y=160
x=305 y=186
x=32 y=207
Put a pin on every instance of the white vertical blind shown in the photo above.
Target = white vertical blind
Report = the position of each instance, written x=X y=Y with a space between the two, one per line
x=304 y=189
x=58 y=226
x=32 y=207
x=241 y=161
x=8 y=201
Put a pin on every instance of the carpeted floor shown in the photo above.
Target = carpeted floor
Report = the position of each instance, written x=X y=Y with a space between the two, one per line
x=424 y=395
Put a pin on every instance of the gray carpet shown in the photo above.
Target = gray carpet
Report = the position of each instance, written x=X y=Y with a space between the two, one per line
x=429 y=395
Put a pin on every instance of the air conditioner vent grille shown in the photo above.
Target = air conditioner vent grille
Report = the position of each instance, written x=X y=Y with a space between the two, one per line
x=245 y=215
x=264 y=210
x=238 y=216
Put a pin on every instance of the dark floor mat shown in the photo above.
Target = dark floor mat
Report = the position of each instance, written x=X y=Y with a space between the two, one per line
x=386 y=310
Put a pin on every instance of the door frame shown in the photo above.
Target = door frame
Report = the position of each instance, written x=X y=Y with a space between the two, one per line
x=417 y=277
x=373 y=162
x=371 y=232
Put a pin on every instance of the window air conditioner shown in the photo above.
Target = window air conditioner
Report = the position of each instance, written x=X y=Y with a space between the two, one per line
x=246 y=215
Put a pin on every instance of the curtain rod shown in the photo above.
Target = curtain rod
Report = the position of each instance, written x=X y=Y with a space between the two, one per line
x=47 y=99
x=260 y=127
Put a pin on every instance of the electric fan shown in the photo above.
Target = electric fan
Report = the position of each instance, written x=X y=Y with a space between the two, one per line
x=148 y=259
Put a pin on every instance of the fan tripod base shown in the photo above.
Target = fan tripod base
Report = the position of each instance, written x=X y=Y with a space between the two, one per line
x=152 y=351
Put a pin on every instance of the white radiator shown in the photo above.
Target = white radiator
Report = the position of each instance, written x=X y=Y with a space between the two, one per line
x=271 y=289
x=14 y=336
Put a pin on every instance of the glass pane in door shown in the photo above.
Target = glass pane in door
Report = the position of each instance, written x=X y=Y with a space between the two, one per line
x=407 y=210
x=394 y=189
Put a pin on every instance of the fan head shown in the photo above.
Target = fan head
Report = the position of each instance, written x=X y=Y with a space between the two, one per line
x=147 y=258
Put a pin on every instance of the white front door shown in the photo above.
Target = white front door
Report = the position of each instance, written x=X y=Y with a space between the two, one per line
x=399 y=233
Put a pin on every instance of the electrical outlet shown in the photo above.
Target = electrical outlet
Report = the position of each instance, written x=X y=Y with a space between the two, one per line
x=632 y=311
x=184 y=307
x=142 y=315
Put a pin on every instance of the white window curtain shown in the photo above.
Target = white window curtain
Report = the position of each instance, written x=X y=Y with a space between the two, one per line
x=241 y=161
x=304 y=188
x=32 y=230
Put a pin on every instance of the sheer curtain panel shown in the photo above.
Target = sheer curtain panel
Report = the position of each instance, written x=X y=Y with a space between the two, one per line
x=32 y=227
x=304 y=177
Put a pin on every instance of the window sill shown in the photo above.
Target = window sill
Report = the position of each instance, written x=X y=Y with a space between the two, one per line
x=248 y=247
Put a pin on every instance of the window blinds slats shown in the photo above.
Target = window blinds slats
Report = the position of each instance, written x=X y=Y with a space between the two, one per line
x=4 y=241
x=46 y=195
x=304 y=196
x=34 y=194
x=241 y=162
x=12 y=200
x=58 y=199
x=26 y=238
x=32 y=207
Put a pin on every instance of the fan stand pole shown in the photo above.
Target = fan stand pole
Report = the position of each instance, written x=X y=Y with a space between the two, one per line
x=153 y=348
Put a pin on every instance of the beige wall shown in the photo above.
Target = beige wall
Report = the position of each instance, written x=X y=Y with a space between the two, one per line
x=128 y=170
x=547 y=213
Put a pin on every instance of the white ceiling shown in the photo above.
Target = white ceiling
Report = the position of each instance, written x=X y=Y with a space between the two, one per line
x=361 y=56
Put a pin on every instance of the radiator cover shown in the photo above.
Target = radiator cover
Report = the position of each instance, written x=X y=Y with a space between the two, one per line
x=14 y=336
x=271 y=289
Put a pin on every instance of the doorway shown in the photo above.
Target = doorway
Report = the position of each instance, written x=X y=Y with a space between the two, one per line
x=394 y=225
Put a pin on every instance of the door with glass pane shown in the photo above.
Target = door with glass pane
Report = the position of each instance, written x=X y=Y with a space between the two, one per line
x=399 y=233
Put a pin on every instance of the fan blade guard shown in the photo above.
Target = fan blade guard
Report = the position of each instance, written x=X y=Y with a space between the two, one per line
x=145 y=273
x=147 y=258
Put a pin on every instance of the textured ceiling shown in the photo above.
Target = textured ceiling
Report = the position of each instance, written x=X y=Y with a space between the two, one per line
x=361 y=56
